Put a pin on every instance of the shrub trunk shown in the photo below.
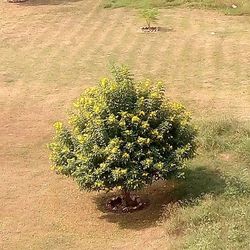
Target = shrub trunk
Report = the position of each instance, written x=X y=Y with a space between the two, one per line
x=127 y=199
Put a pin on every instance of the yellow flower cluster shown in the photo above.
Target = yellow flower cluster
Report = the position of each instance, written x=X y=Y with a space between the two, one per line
x=154 y=95
x=155 y=132
x=118 y=173
x=177 y=106
x=112 y=119
x=125 y=156
x=81 y=138
x=153 y=114
x=58 y=126
x=122 y=123
x=148 y=162
x=128 y=132
x=143 y=141
x=135 y=119
x=114 y=150
x=145 y=125
x=142 y=113
x=159 y=165
x=104 y=82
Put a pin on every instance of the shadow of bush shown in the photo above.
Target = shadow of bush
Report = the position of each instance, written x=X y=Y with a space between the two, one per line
x=199 y=181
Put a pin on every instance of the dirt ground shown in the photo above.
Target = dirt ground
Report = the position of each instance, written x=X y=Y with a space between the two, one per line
x=49 y=53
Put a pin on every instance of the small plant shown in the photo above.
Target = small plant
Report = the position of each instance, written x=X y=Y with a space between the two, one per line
x=150 y=16
x=123 y=135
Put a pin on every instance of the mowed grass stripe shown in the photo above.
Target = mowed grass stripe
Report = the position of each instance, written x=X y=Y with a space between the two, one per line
x=218 y=63
x=176 y=74
x=124 y=50
x=200 y=66
x=100 y=52
x=160 y=55
x=39 y=58
x=51 y=55
x=47 y=24
x=50 y=39
x=200 y=51
x=117 y=49
x=54 y=37
x=148 y=52
x=66 y=52
x=95 y=55
x=190 y=55
x=45 y=54
x=166 y=54
x=88 y=38
x=42 y=34
x=188 y=58
x=195 y=53
x=77 y=27
x=179 y=46
x=237 y=58
x=132 y=51
x=119 y=32
x=9 y=23
x=86 y=56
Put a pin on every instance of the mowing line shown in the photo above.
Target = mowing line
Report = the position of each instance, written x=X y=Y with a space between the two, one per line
x=76 y=54
x=148 y=53
x=44 y=54
x=94 y=55
x=123 y=39
x=78 y=28
x=133 y=50
x=106 y=36
x=128 y=40
x=40 y=35
x=119 y=33
x=177 y=62
x=165 y=57
x=88 y=38
x=218 y=63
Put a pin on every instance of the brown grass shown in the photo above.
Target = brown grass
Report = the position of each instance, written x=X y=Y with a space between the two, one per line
x=49 y=53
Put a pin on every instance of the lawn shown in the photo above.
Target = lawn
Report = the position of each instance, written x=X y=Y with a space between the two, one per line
x=52 y=50
x=230 y=7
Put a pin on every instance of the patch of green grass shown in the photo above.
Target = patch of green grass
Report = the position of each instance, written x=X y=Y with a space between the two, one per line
x=223 y=134
x=214 y=209
x=241 y=7
x=212 y=223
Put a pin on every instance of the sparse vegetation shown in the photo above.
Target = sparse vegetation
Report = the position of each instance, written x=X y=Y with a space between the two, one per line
x=236 y=7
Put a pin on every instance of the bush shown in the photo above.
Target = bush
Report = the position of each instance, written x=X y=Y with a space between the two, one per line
x=123 y=134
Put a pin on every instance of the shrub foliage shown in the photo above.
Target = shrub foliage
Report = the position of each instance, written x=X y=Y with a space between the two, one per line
x=123 y=134
x=150 y=15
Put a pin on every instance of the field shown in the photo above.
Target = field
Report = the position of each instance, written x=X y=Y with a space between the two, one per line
x=50 y=51
x=241 y=7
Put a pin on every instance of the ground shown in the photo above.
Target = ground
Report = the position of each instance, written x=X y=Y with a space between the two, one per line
x=50 y=51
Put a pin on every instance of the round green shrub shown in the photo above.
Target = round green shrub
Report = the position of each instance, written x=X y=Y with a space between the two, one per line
x=123 y=134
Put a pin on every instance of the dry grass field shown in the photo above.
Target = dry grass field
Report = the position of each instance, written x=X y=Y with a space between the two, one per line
x=49 y=52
